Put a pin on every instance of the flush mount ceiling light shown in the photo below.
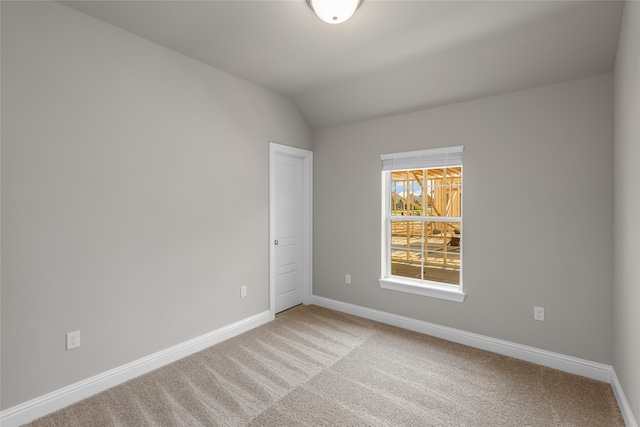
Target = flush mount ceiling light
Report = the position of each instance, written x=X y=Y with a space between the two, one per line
x=334 y=11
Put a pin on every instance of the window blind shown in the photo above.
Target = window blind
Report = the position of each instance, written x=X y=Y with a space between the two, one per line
x=423 y=159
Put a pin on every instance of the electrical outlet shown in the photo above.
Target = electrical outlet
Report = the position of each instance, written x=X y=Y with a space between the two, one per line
x=243 y=291
x=347 y=279
x=538 y=313
x=73 y=340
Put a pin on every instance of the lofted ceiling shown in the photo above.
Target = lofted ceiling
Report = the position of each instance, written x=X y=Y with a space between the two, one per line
x=392 y=57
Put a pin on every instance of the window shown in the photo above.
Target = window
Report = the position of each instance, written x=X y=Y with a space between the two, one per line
x=422 y=222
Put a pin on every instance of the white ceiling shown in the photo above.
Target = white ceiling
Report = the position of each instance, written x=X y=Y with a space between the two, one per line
x=391 y=57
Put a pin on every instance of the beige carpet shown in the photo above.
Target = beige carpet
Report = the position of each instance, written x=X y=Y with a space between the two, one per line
x=316 y=367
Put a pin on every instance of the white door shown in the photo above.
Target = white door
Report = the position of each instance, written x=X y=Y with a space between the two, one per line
x=289 y=234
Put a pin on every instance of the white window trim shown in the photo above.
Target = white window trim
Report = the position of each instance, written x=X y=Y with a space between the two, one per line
x=425 y=288
x=439 y=157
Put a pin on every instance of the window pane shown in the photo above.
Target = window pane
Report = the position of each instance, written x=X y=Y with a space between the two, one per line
x=442 y=252
x=443 y=192
x=427 y=192
x=406 y=248
x=406 y=188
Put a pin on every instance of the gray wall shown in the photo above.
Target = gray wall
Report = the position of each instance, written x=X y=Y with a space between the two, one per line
x=627 y=206
x=538 y=209
x=134 y=196
x=123 y=214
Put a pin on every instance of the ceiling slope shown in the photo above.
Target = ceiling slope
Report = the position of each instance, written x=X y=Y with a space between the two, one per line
x=391 y=57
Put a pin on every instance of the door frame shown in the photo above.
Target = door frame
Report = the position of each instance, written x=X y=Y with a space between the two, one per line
x=307 y=220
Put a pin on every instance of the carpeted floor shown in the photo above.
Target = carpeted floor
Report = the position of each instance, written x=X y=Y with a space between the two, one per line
x=317 y=367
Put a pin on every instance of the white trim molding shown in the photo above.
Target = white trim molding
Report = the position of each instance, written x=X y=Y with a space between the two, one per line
x=433 y=289
x=41 y=406
x=561 y=362
x=623 y=403
x=51 y=402
x=549 y=359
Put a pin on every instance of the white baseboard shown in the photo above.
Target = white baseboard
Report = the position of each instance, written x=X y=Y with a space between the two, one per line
x=549 y=359
x=558 y=361
x=623 y=403
x=43 y=405
x=58 y=399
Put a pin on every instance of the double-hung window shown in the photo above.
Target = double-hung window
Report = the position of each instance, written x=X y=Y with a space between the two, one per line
x=422 y=222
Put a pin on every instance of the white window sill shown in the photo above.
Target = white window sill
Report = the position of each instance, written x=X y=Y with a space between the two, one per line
x=428 y=289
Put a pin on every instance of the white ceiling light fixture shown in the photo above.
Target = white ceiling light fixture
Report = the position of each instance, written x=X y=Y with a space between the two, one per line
x=334 y=11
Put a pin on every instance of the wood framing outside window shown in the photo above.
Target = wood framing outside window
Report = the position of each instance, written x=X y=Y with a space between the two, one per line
x=422 y=222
